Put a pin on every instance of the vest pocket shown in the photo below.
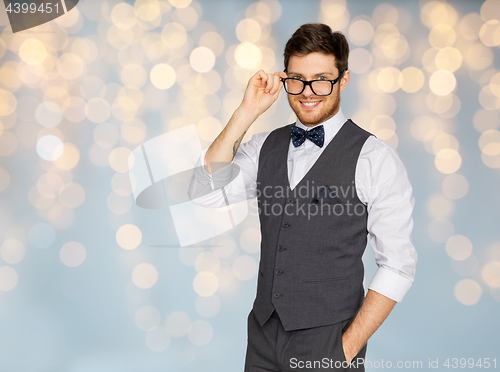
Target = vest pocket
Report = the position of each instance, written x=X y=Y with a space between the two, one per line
x=315 y=280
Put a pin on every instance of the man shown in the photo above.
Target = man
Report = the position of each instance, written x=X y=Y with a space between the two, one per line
x=323 y=185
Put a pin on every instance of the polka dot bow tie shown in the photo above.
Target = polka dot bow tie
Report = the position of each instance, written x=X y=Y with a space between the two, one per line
x=316 y=135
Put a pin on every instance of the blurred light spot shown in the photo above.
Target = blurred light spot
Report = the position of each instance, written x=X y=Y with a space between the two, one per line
x=145 y=275
x=489 y=142
x=247 y=55
x=97 y=110
x=157 y=339
x=207 y=306
x=207 y=261
x=123 y=16
x=459 y=247
x=490 y=10
x=177 y=324
x=74 y=109
x=448 y=161
x=8 y=278
x=208 y=128
x=186 y=16
x=205 y=283
x=118 y=159
x=49 y=114
x=250 y=240
x=385 y=13
x=449 y=59
x=361 y=32
x=442 y=82
x=479 y=56
x=174 y=35
x=444 y=141
x=383 y=126
x=72 y=254
x=245 y=267
x=213 y=41
x=248 y=30
x=60 y=216
x=69 y=159
x=411 y=79
x=8 y=143
x=442 y=36
x=32 y=51
x=70 y=66
x=455 y=186
x=491 y=274
x=490 y=33
x=434 y=13
x=489 y=100
x=41 y=235
x=49 y=147
x=468 y=292
x=162 y=76
x=129 y=236
x=200 y=332
x=119 y=204
x=120 y=39
x=147 y=318
x=334 y=14
x=106 y=135
x=8 y=103
x=439 y=206
x=224 y=248
x=72 y=195
x=86 y=49
x=470 y=25
x=440 y=230
x=133 y=76
x=12 y=251
x=360 y=60
x=202 y=59
x=388 y=79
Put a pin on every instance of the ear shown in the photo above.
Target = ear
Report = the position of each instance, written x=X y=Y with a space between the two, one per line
x=345 y=80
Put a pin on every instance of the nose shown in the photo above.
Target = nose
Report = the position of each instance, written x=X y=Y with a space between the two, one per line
x=308 y=91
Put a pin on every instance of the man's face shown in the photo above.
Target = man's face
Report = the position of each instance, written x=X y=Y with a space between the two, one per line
x=310 y=108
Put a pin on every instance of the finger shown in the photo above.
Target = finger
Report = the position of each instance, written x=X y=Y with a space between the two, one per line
x=270 y=83
x=262 y=76
x=276 y=84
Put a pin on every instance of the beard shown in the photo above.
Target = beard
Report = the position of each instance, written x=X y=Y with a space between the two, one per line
x=329 y=108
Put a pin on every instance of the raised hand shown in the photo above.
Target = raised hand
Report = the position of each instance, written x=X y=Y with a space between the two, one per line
x=262 y=91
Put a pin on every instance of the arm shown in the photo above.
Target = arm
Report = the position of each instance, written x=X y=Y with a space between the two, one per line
x=262 y=91
x=375 y=309
x=385 y=188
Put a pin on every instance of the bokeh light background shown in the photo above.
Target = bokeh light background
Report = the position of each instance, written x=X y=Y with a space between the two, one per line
x=91 y=282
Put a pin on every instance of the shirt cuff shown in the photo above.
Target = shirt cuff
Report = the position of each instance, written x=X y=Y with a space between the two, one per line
x=390 y=284
x=219 y=178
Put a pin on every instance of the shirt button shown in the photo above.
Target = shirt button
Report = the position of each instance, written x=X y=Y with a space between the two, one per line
x=280 y=248
x=279 y=272
x=285 y=224
x=276 y=295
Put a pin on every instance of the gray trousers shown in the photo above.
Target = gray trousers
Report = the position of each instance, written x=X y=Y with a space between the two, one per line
x=272 y=349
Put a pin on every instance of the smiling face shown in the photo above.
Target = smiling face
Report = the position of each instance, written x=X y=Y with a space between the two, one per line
x=310 y=108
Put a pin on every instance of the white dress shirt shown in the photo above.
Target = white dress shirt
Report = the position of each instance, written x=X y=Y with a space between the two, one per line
x=381 y=183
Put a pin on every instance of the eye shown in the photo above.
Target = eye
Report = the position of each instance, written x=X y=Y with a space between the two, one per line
x=322 y=78
x=297 y=78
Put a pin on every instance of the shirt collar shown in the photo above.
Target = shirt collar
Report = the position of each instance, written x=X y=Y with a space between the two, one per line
x=331 y=126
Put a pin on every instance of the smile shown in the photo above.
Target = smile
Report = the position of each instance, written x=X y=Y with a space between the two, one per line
x=309 y=104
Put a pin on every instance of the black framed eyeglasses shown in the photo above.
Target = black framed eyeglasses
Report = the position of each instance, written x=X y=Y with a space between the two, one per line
x=319 y=87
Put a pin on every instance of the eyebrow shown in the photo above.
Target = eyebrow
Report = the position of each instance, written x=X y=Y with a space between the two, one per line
x=315 y=75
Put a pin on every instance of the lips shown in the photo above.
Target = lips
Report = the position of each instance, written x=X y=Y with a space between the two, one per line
x=309 y=104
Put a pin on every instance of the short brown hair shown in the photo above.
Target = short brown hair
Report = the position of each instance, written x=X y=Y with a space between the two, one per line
x=318 y=37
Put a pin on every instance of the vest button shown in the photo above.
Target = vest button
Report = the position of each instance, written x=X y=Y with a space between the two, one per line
x=290 y=201
x=279 y=272
x=276 y=295
x=285 y=224
x=280 y=248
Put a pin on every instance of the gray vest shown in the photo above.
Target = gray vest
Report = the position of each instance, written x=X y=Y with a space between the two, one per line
x=313 y=236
